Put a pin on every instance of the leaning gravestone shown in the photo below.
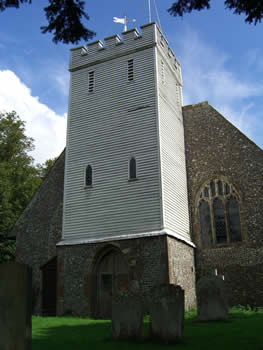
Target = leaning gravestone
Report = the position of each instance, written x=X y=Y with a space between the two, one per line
x=15 y=307
x=127 y=316
x=212 y=303
x=166 y=307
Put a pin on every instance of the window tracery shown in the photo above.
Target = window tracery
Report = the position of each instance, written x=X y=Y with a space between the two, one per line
x=219 y=214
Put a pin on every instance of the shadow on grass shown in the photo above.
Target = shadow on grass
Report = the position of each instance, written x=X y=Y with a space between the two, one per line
x=242 y=331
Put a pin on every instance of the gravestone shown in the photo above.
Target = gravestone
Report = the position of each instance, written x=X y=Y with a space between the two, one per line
x=127 y=316
x=15 y=307
x=212 y=303
x=166 y=307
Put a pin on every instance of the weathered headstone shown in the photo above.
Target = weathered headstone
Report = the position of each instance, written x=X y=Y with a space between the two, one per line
x=127 y=316
x=166 y=306
x=212 y=303
x=15 y=307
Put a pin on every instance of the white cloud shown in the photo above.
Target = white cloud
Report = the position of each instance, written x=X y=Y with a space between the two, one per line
x=208 y=76
x=46 y=127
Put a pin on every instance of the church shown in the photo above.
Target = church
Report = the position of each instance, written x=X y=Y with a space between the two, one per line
x=147 y=191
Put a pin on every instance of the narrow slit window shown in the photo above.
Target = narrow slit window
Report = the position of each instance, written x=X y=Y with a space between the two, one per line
x=91 y=81
x=130 y=70
x=132 y=169
x=88 y=177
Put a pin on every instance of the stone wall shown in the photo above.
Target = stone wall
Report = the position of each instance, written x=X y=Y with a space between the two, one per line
x=182 y=269
x=146 y=257
x=215 y=148
x=39 y=227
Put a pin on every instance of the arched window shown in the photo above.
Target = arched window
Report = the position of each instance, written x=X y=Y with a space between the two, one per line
x=218 y=210
x=132 y=169
x=88 y=176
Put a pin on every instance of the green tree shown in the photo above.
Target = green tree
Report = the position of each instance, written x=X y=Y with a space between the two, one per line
x=7 y=249
x=46 y=166
x=252 y=9
x=19 y=178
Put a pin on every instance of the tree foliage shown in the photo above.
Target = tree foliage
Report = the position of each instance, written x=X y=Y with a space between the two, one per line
x=7 y=249
x=252 y=9
x=19 y=178
x=45 y=167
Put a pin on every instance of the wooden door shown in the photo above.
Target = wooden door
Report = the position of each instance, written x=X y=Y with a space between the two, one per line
x=49 y=288
x=112 y=277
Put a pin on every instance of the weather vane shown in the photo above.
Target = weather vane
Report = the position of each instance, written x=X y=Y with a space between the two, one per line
x=123 y=21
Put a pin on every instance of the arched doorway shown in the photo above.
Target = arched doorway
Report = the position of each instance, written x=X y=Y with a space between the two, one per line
x=111 y=277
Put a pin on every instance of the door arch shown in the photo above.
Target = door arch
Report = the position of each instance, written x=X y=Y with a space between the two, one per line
x=111 y=276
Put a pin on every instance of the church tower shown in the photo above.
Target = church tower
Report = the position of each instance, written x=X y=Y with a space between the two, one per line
x=125 y=174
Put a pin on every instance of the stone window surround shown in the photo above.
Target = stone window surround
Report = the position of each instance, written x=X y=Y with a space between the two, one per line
x=234 y=193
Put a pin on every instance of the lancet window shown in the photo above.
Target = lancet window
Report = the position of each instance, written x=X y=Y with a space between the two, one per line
x=88 y=176
x=132 y=169
x=219 y=213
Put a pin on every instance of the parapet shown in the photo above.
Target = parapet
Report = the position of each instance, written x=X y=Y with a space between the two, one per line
x=115 y=46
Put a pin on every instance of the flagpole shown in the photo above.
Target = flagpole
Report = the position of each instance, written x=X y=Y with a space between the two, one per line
x=149 y=6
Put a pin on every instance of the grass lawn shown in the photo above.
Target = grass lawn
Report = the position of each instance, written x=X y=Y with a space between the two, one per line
x=243 y=331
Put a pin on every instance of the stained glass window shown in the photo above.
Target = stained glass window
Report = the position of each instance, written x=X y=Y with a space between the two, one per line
x=219 y=216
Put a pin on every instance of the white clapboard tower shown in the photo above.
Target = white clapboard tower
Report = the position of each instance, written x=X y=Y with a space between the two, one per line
x=125 y=109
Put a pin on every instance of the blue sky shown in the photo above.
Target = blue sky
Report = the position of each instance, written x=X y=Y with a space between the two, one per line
x=220 y=55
